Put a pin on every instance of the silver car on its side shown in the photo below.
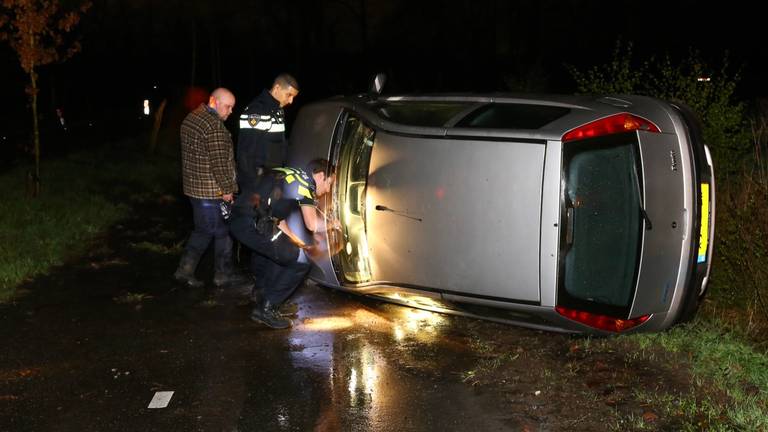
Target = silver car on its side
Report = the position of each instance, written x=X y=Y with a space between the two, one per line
x=566 y=213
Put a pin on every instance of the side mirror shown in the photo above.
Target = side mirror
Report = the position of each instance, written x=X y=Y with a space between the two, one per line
x=378 y=83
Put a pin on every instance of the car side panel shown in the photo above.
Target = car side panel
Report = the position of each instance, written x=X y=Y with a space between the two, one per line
x=550 y=223
x=464 y=215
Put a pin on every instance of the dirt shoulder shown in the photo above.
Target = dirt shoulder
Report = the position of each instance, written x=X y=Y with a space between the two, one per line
x=559 y=382
x=540 y=381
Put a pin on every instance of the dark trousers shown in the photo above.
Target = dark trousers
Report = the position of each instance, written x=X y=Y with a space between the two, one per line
x=210 y=225
x=274 y=263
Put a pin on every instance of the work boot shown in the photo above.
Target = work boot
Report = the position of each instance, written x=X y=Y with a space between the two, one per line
x=267 y=314
x=288 y=309
x=185 y=273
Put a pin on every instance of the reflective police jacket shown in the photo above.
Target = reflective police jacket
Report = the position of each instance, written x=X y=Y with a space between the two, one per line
x=261 y=138
x=280 y=191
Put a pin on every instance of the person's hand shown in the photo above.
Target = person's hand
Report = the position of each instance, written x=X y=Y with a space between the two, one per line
x=227 y=197
x=312 y=250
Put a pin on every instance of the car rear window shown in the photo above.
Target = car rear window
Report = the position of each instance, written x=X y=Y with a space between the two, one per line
x=513 y=116
x=602 y=226
x=426 y=114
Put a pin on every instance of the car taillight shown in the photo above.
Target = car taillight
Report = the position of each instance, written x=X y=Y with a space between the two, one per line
x=617 y=123
x=601 y=322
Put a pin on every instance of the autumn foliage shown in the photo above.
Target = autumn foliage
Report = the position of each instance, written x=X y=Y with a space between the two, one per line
x=36 y=30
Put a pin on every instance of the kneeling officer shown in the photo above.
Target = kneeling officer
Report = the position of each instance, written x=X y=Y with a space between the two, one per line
x=259 y=222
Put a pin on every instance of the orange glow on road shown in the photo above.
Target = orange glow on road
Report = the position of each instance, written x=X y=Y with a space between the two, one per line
x=326 y=323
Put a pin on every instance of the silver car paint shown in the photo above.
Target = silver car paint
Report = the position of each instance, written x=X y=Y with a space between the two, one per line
x=432 y=262
x=479 y=203
x=668 y=209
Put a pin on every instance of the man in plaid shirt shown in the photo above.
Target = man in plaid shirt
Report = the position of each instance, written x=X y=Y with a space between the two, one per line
x=208 y=173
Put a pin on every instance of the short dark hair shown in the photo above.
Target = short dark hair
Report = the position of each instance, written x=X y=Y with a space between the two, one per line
x=320 y=165
x=286 y=80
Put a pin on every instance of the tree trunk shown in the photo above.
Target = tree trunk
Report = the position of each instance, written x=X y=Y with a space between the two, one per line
x=156 y=127
x=35 y=132
x=194 y=54
x=215 y=57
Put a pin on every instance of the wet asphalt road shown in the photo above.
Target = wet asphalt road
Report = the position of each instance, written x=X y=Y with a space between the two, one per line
x=89 y=346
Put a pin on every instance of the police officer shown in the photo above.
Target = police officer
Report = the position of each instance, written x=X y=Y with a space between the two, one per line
x=261 y=138
x=259 y=222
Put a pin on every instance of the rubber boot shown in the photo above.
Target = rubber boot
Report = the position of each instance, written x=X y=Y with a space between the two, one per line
x=267 y=314
x=185 y=273
x=233 y=282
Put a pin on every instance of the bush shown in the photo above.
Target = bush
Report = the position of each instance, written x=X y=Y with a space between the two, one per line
x=723 y=117
x=739 y=280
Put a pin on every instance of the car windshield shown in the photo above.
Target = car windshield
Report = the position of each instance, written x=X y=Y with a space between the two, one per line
x=422 y=113
x=602 y=233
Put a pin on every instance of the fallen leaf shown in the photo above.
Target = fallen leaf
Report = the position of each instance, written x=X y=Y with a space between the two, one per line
x=650 y=417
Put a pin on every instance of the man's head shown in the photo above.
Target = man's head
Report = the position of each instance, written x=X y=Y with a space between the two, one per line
x=324 y=175
x=222 y=100
x=284 y=89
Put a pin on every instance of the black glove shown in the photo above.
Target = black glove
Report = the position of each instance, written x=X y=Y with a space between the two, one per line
x=265 y=224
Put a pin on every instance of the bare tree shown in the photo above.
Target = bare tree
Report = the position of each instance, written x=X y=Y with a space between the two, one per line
x=36 y=30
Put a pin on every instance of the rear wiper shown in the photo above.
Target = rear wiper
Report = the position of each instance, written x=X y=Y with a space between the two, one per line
x=569 y=223
x=640 y=204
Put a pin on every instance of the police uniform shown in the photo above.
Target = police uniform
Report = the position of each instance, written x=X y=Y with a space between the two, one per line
x=255 y=214
x=261 y=138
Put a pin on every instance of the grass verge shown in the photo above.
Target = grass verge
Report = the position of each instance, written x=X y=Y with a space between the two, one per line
x=729 y=388
x=81 y=196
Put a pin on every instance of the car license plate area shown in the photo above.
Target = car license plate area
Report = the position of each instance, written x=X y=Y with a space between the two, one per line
x=704 y=232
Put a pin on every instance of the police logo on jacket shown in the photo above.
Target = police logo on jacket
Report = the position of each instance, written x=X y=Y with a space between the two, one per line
x=261 y=138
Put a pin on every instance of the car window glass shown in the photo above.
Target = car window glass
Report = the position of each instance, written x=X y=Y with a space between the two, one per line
x=426 y=114
x=602 y=221
x=513 y=116
x=353 y=155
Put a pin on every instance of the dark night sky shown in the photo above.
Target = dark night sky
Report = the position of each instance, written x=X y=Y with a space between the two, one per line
x=334 y=46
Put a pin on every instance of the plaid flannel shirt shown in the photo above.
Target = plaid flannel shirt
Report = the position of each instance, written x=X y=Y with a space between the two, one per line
x=207 y=162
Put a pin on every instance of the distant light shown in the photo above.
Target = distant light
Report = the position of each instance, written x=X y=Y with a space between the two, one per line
x=146 y=107
x=704 y=79
x=154 y=87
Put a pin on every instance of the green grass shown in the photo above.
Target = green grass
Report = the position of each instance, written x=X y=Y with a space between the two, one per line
x=131 y=298
x=730 y=378
x=81 y=196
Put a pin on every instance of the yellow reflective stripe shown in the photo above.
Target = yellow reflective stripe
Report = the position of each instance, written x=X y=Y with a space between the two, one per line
x=289 y=178
x=305 y=192
x=301 y=180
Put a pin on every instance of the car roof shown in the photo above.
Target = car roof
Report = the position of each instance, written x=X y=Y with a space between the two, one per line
x=574 y=111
